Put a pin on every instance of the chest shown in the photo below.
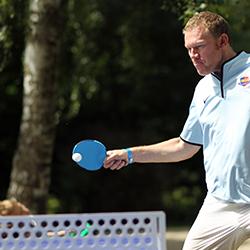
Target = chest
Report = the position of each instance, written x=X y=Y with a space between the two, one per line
x=226 y=114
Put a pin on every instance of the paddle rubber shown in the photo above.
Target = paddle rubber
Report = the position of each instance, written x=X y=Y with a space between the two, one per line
x=89 y=154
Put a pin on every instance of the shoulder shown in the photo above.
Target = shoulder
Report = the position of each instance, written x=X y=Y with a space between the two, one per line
x=243 y=58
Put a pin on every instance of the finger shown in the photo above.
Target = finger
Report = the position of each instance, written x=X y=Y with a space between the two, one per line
x=115 y=165
x=122 y=164
x=108 y=164
x=113 y=155
x=110 y=157
x=118 y=164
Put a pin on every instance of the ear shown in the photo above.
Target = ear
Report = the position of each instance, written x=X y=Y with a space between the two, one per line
x=223 y=40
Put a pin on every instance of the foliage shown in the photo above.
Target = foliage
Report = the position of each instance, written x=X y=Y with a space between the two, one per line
x=234 y=11
x=128 y=86
x=125 y=79
x=128 y=72
x=12 y=28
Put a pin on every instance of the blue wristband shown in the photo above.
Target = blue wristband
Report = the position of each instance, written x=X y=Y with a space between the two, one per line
x=130 y=155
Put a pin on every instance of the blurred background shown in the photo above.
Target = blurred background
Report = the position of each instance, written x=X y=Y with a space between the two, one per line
x=112 y=70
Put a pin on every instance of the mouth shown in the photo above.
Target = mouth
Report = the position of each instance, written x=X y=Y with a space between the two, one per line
x=198 y=63
x=200 y=67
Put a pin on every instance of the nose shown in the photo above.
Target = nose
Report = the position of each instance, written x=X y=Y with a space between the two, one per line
x=193 y=53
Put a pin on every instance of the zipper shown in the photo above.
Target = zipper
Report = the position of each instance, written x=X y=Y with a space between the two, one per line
x=221 y=83
x=220 y=79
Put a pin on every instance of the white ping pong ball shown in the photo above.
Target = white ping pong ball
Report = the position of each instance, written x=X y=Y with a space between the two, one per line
x=76 y=157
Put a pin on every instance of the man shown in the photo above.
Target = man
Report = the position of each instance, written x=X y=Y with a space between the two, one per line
x=219 y=122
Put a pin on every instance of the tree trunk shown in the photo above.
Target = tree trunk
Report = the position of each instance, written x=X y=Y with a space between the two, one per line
x=30 y=176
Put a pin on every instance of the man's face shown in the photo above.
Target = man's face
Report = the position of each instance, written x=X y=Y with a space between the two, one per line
x=204 y=50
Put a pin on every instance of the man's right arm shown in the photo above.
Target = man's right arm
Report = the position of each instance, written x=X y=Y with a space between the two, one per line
x=172 y=150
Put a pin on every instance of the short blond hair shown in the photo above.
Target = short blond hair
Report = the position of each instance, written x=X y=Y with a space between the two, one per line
x=213 y=22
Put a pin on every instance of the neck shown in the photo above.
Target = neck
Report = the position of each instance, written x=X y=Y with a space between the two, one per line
x=230 y=53
x=227 y=55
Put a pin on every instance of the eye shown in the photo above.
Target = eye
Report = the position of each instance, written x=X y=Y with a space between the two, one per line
x=189 y=50
x=200 y=46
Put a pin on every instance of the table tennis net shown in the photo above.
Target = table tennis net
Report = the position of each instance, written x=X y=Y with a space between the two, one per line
x=97 y=231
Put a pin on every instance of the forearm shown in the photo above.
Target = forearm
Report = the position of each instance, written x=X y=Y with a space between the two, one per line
x=172 y=150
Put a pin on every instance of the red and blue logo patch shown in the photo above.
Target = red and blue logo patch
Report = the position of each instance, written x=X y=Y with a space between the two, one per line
x=244 y=81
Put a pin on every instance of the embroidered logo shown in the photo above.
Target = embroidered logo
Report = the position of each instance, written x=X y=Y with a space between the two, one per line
x=244 y=81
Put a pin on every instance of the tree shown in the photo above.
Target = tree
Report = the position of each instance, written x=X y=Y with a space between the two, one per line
x=124 y=79
x=30 y=176
x=131 y=73
x=12 y=22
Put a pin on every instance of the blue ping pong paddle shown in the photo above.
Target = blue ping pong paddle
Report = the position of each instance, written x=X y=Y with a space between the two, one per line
x=89 y=154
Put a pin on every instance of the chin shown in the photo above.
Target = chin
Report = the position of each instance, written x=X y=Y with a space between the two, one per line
x=202 y=73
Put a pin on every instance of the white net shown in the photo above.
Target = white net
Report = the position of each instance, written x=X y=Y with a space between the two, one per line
x=100 y=231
